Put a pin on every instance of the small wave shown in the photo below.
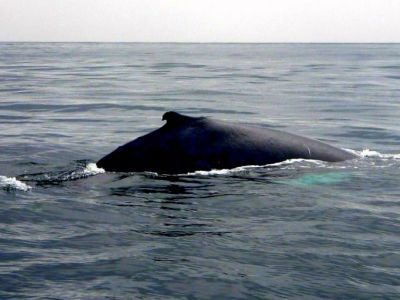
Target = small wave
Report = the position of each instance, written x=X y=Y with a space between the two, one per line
x=297 y=162
x=12 y=183
x=366 y=153
x=88 y=170
x=283 y=164
x=222 y=171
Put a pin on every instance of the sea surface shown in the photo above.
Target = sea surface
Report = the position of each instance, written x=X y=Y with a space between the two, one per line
x=295 y=230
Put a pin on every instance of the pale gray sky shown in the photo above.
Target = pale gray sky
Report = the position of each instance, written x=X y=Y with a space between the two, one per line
x=201 y=20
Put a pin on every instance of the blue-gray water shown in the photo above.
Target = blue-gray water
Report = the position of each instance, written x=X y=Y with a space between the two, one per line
x=300 y=229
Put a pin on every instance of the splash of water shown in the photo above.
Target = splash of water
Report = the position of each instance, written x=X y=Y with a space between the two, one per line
x=367 y=153
x=88 y=170
x=11 y=183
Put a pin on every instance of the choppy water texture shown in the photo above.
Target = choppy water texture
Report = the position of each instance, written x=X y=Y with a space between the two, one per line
x=299 y=229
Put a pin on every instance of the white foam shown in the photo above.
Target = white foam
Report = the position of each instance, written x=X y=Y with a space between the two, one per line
x=11 y=183
x=371 y=153
x=286 y=164
x=250 y=167
x=222 y=171
x=295 y=160
x=90 y=169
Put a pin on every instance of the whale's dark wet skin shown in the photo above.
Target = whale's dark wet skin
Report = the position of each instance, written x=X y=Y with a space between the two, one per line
x=185 y=144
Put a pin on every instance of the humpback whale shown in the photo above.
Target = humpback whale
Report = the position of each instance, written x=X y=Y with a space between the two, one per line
x=185 y=144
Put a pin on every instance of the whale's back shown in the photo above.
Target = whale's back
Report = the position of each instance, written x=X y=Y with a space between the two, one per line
x=187 y=144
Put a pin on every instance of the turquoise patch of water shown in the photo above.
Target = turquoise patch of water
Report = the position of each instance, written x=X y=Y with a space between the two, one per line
x=319 y=179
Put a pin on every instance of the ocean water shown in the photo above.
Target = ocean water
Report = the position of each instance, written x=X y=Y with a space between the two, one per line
x=297 y=230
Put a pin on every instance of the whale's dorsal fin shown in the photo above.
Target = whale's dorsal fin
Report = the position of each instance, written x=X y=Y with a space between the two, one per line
x=173 y=117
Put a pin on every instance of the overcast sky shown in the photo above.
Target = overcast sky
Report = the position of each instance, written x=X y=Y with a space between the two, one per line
x=200 y=20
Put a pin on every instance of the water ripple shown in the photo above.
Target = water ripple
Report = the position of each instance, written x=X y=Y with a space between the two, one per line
x=298 y=229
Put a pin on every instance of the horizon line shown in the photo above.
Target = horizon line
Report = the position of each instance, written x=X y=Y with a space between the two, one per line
x=200 y=42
